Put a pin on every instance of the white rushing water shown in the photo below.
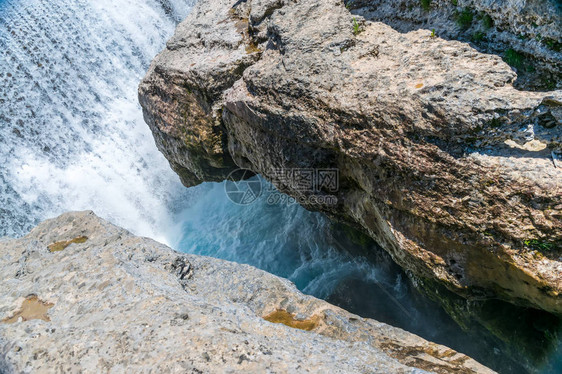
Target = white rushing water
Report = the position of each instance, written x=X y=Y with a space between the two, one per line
x=72 y=135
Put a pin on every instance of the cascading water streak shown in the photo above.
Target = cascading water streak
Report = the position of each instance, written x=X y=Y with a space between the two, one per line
x=72 y=135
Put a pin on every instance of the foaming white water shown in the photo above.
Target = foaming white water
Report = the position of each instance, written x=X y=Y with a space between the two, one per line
x=72 y=135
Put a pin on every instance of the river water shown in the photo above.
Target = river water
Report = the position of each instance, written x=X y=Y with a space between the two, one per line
x=72 y=137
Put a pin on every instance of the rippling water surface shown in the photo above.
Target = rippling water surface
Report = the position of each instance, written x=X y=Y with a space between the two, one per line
x=72 y=137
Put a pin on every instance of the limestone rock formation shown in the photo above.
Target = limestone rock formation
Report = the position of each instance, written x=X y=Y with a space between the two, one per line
x=526 y=33
x=81 y=295
x=441 y=160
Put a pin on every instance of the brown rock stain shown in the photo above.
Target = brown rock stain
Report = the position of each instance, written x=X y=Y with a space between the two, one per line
x=446 y=361
x=252 y=48
x=242 y=25
x=31 y=308
x=59 y=246
x=288 y=319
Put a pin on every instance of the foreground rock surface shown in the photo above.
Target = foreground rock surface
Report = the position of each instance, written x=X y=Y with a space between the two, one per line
x=456 y=173
x=81 y=295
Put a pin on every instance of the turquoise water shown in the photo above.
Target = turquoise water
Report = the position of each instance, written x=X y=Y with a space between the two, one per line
x=72 y=137
x=339 y=264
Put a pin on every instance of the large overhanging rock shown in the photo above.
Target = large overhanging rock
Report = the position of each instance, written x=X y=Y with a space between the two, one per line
x=81 y=295
x=441 y=160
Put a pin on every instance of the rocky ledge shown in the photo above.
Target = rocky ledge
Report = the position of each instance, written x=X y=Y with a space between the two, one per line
x=79 y=294
x=455 y=172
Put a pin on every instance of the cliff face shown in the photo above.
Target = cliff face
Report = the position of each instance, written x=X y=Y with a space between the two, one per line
x=441 y=160
x=79 y=294
x=526 y=33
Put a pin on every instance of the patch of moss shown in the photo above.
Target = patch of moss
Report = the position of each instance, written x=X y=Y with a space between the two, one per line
x=356 y=27
x=487 y=22
x=513 y=58
x=478 y=36
x=552 y=44
x=518 y=61
x=495 y=123
x=455 y=2
x=488 y=183
x=288 y=319
x=425 y=4
x=59 y=246
x=539 y=245
x=465 y=18
x=252 y=48
x=357 y=237
x=548 y=84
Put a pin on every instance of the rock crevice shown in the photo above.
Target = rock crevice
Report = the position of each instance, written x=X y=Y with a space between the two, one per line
x=441 y=160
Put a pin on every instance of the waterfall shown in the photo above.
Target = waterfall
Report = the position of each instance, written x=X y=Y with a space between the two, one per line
x=72 y=136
